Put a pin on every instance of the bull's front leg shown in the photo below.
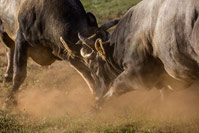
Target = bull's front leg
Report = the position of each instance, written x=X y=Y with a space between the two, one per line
x=20 y=65
x=127 y=81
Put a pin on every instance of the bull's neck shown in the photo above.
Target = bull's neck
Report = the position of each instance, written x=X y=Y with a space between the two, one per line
x=111 y=67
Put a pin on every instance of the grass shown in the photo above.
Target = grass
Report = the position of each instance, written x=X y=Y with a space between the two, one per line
x=8 y=123
x=82 y=124
x=106 y=10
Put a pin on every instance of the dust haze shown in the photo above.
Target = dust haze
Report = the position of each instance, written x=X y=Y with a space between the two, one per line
x=58 y=90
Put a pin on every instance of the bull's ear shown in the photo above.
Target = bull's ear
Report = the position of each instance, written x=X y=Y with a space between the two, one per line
x=100 y=49
x=92 y=21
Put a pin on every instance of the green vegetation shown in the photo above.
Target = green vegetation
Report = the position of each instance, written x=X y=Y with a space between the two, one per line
x=8 y=123
x=89 y=124
x=106 y=10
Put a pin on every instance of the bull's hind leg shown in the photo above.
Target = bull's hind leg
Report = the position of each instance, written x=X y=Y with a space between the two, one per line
x=10 y=55
x=9 y=52
x=20 y=65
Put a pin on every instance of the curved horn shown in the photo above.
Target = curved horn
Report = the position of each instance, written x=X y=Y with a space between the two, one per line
x=86 y=55
x=89 y=43
x=100 y=49
x=109 y=24
x=69 y=51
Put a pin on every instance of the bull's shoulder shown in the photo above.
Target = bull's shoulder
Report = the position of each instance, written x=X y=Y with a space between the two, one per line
x=138 y=20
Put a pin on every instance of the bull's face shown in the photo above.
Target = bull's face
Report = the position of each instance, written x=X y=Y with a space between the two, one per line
x=92 y=45
x=92 y=54
x=95 y=59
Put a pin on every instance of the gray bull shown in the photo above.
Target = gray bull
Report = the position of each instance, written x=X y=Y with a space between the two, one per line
x=33 y=28
x=155 y=37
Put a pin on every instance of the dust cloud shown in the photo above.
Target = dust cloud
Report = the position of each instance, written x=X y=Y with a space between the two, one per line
x=59 y=90
x=55 y=92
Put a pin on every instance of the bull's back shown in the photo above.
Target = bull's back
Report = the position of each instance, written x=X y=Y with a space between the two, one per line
x=50 y=19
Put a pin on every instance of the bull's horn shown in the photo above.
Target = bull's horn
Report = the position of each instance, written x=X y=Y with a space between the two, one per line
x=69 y=51
x=92 y=36
x=88 y=55
x=109 y=24
x=86 y=41
x=100 y=49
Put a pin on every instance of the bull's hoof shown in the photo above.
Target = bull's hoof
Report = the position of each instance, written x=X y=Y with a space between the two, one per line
x=96 y=108
x=98 y=105
x=9 y=104
x=165 y=92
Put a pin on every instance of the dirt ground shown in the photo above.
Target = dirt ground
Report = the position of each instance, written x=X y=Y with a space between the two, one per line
x=57 y=90
x=49 y=90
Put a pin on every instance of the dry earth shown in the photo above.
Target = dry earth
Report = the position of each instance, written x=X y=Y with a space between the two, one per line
x=56 y=91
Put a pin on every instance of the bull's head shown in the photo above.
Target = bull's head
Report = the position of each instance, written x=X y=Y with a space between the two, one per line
x=94 y=44
x=92 y=48
x=94 y=51
x=93 y=54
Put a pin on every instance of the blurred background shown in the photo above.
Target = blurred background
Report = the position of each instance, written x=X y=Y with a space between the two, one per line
x=108 y=9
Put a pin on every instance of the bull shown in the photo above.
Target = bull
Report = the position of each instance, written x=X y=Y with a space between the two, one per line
x=37 y=28
x=153 y=38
